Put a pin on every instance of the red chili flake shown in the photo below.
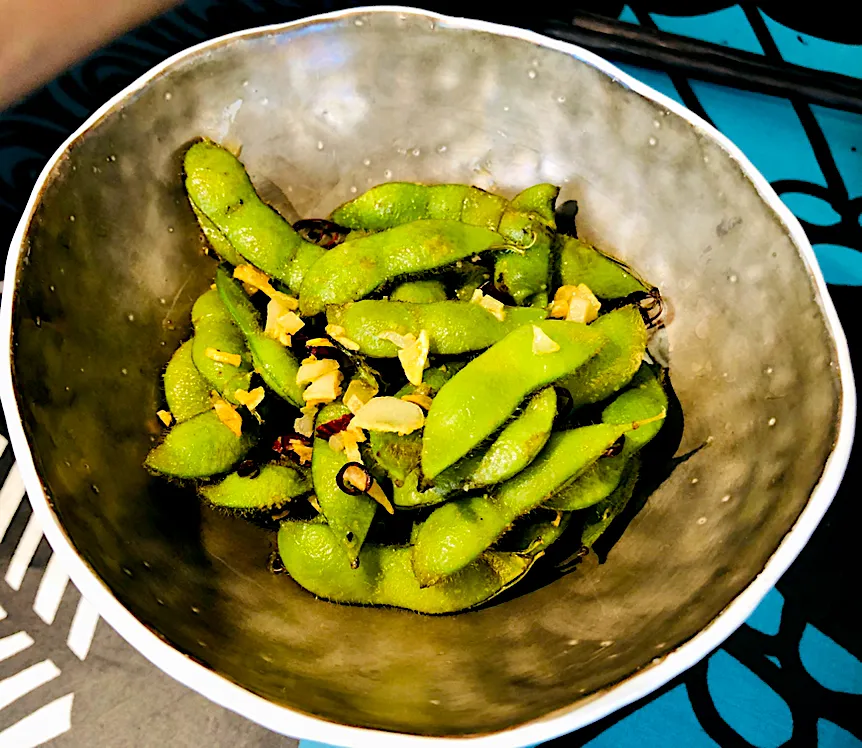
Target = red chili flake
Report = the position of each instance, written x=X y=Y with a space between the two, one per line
x=282 y=443
x=335 y=426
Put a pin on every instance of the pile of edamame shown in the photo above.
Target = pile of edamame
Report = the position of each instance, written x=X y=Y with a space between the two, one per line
x=422 y=392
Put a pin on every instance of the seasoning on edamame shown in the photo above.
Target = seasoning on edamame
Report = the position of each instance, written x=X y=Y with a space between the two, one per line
x=358 y=267
x=454 y=327
x=484 y=394
x=469 y=428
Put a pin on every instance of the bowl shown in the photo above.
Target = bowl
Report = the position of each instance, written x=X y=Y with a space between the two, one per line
x=108 y=259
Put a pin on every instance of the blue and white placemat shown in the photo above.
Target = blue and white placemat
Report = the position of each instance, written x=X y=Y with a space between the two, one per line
x=791 y=676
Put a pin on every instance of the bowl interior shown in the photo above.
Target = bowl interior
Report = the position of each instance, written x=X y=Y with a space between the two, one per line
x=322 y=110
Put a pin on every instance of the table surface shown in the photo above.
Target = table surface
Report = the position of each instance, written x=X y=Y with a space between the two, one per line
x=792 y=675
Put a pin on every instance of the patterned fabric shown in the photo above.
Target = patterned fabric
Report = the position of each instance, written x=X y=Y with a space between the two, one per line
x=791 y=675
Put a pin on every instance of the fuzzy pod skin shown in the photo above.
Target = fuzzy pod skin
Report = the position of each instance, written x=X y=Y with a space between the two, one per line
x=312 y=556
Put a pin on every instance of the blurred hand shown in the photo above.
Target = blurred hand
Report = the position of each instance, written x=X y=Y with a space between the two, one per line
x=40 y=38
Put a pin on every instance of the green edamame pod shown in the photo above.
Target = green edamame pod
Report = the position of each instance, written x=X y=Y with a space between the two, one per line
x=187 y=392
x=446 y=201
x=311 y=556
x=518 y=443
x=481 y=397
x=453 y=327
x=348 y=516
x=217 y=183
x=399 y=454
x=645 y=399
x=481 y=208
x=360 y=266
x=276 y=364
x=534 y=533
x=598 y=482
x=599 y=516
x=467 y=279
x=216 y=239
x=457 y=532
x=528 y=222
x=607 y=278
x=385 y=206
x=451 y=480
x=198 y=448
x=396 y=203
x=419 y=292
x=215 y=329
x=616 y=364
x=273 y=486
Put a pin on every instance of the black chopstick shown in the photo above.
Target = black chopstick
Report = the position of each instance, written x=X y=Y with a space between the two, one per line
x=659 y=50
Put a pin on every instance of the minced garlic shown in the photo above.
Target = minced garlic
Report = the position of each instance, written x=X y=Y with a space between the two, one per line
x=251 y=276
x=281 y=322
x=303 y=451
x=575 y=304
x=250 y=399
x=324 y=389
x=229 y=416
x=312 y=369
x=358 y=393
x=413 y=353
x=233 y=359
x=490 y=304
x=389 y=414
x=377 y=493
x=422 y=400
x=304 y=425
x=542 y=343
x=346 y=441
x=414 y=358
x=165 y=417
x=339 y=335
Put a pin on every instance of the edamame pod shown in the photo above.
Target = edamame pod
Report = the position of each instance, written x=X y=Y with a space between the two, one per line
x=481 y=397
x=528 y=222
x=399 y=454
x=217 y=183
x=187 y=392
x=360 y=266
x=598 y=482
x=453 y=327
x=457 y=532
x=599 y=516
x=199 y=448
x=616 y=364
x=218 y=241
x=644 y=400
x=535 y=533
x=518 y=443
x=276 y=364
x=395 y=203
x=606 y=278
x=410 y=496
x=348 y=516
x=311 y=555
x=215 y=331
x=419 y=292
x=272 y=486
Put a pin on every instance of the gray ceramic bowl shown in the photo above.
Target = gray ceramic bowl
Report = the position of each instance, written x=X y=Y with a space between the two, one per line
x=107 y=261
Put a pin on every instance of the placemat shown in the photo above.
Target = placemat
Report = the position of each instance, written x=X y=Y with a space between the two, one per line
x=792 y=675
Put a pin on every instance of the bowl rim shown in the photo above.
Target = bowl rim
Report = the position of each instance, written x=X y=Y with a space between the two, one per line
x=296 y=724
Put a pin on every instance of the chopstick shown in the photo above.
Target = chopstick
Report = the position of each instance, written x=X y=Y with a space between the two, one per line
x=659 y=50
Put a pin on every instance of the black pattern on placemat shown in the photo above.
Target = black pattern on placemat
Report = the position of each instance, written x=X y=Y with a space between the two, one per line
x=813 y=593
